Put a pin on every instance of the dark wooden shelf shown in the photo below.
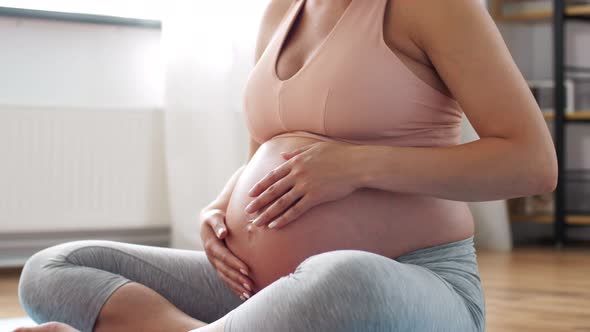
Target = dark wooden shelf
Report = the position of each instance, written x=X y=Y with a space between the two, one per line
x=572 y=219
x=572 y=10
x=582 y=115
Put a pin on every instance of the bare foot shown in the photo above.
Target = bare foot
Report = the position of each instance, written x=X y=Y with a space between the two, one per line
x=48 y=327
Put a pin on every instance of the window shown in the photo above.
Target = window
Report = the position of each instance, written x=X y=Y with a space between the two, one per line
x=138 y=9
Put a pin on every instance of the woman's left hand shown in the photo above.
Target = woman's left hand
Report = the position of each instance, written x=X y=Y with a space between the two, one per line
x=313 y=174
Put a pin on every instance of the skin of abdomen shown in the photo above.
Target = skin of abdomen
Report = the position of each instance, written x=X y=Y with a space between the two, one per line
x=378 y=221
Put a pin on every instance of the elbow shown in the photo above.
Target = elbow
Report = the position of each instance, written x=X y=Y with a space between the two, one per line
x=536 y=160
x=537 y=165
x=546 y=175
x=548 y=182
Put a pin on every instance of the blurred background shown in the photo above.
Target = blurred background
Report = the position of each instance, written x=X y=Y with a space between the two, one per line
x=120 y=120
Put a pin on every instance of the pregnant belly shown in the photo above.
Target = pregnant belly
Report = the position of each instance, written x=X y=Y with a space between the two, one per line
x=378 y=221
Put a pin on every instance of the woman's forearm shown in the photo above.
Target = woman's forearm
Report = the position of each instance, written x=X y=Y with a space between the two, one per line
x=488 y=169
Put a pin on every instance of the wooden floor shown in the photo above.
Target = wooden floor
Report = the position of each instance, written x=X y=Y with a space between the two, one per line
x=538 y=290
x=9 y=306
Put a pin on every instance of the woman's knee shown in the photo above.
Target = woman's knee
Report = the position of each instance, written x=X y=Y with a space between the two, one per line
x=353 y=290
x=31 y=288
x=385 y=294
x=42 y=274
x=350 y=276
x=346 y=265
x=339 y=290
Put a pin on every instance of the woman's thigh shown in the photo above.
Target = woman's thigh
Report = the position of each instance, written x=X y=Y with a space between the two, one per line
x=72 y=281
x=351 y=290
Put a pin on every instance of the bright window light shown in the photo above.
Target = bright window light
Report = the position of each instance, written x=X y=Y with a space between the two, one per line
x=142 y=9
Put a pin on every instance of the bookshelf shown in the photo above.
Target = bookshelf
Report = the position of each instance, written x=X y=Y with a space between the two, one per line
x=558 y=14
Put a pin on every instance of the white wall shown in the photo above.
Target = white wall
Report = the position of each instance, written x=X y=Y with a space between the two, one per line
x=52 y=63
x=81 y=127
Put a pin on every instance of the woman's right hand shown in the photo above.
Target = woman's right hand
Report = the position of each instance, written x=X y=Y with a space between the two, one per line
x=232 y=270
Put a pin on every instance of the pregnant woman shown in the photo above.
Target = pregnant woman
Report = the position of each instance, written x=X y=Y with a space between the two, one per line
x=351 y=213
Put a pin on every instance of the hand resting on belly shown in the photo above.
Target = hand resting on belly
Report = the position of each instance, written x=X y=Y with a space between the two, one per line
x=373 y=220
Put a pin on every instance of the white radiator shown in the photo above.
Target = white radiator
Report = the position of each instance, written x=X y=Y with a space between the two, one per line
x=80 y=173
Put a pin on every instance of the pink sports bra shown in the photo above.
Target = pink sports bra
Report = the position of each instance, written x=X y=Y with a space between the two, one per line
x=353 y=88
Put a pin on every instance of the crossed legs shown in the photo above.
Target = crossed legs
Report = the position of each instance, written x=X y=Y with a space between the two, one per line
x=111 y=286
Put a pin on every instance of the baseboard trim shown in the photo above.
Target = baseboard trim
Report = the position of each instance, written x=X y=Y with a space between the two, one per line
x=16 y=248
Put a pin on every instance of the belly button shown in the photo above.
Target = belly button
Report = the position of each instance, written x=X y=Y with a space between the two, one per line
x=250 y=228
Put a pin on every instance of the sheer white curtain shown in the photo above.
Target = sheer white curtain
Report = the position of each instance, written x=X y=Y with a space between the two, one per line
x=209 y=47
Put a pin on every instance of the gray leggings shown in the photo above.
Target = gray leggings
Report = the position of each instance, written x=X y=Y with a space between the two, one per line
x=432 y=289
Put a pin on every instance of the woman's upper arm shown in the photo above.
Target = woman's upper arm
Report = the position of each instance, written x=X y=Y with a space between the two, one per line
x=273 y=14
x=470 y=55
x=468 y=52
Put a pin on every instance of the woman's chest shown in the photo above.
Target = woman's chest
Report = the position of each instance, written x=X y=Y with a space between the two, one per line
x=345 y=95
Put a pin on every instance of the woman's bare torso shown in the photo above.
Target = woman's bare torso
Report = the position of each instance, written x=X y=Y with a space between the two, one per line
x=378 y=221
x=382 y=222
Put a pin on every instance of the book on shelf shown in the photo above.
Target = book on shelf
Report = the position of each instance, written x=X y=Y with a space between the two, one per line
x=543 y=92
